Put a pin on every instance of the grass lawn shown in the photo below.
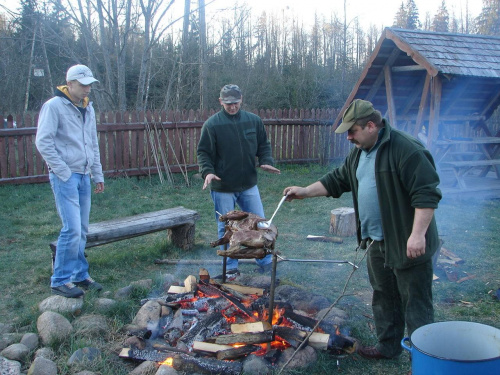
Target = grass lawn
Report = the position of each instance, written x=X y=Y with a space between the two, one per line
x=469 y=228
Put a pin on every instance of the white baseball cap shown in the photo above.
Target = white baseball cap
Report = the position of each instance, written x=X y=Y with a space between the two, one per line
x=81 y=73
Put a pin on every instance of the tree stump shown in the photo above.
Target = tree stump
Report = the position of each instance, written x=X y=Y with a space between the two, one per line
x=343 y=222
x=182 y=236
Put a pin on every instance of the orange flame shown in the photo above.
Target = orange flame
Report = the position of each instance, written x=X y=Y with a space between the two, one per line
x=167 y=362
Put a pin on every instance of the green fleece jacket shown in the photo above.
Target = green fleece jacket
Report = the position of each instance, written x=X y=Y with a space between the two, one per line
x=406 y=179
x=228 y=147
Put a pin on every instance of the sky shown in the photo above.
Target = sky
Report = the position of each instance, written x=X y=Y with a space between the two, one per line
x=369 y=12
x=378 y=13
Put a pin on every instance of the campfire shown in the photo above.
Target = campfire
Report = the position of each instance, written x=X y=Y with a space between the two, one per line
x=207 y=326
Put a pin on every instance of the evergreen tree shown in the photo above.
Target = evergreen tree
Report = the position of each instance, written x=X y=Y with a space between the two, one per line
x=400 y=17
x=488 y=21
x=412 y=17
x=440 y=23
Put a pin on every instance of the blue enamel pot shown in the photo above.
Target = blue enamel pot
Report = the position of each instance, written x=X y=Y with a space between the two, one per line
x=458 y=348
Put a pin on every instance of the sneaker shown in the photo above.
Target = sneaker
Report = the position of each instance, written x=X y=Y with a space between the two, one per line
x=230 y=274
x=89 y=284
x=68 y=290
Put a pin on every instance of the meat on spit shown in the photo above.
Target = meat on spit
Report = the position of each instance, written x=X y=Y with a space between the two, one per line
x=245 y=239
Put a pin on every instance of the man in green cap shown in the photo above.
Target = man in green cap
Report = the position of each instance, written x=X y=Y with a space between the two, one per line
x=394 y=182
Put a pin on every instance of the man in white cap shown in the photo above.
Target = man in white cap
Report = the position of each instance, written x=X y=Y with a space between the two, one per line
x=67 y=140
x=393 y=181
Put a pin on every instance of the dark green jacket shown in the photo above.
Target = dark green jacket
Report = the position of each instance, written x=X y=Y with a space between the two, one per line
x=406 y=179
x=228 y=147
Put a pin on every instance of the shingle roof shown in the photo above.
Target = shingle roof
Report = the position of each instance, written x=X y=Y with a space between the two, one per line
x=460 y=54
x=467 y=66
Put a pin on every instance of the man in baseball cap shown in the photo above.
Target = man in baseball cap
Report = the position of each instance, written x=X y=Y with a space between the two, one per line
x=394 y=185
x=231 y=140
x=230 y=94
x=67 y=140
x=80 y=73
x=358 y=109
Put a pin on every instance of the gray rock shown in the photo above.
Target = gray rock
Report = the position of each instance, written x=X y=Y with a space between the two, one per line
x=8 y=339
x=148 y=316
x=166 y=370
x=42 y=366
x=104 y=304
x=86 y=373
x=145 y=368
x=15 y=352
x=85 y=354
x=91 y=325
x=61 y=304
x=30 y=340
x=302 y=359
x=53 y=327
x=8 y=367
x=46 y=353
x=6 y=328
x=256 y=365
x=143 y=284
x=124 y=293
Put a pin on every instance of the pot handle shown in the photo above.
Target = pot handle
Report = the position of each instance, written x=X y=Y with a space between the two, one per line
x=405 y=346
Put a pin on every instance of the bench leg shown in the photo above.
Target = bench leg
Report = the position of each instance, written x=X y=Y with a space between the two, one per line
x=182 y=236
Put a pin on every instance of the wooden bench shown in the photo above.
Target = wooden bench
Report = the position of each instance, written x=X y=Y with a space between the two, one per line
x=179 y=221
x=462 y=167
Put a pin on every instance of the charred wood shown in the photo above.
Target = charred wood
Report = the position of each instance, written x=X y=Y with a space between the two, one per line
x=193 y=365
x=235 y=353
x=204 y=328
x=214 y=291
x=245 y=338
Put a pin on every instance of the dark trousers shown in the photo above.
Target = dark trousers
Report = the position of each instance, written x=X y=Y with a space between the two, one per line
x=399 y=296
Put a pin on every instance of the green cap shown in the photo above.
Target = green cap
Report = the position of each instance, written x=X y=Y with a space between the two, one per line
x=358 y=109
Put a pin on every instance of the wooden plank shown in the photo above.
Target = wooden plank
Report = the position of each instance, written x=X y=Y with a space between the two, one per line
x=472 y=163
x=138 y=225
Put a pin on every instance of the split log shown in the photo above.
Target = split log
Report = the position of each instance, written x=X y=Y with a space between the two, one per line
x=207 y=347
x=244 y=253
x=343 y=222
x=245 y=338
x=295 y=337
x=311 y=237
x=175 y=289
x=204 y=275
x=320 y=341
x=300 y=319
x=451 y=256
x=251 y=327
x=192 y=365
x=245 y=289
x=235 y=353
x=190 y=283
x=144 y=354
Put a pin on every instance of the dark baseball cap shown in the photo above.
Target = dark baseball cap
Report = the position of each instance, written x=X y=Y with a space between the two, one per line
x=230 y=94
x=358 y=109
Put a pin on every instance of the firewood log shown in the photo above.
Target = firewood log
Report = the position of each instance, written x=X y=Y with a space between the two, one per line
x=235 y=353
x=245 y=338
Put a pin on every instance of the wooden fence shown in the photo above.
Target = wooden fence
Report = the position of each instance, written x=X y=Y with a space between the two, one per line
x=143 y=143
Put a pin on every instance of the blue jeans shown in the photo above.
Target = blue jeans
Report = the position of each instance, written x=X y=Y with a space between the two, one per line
x=73 y=205
x=248 y=201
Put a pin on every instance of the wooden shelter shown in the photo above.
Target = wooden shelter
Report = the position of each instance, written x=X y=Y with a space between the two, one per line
x=436 y=85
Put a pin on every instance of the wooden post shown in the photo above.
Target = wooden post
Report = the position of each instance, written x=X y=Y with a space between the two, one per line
x=343 y=222
x=182 y=236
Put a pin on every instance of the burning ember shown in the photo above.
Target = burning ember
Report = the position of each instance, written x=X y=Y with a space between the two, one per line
x=209 y=327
